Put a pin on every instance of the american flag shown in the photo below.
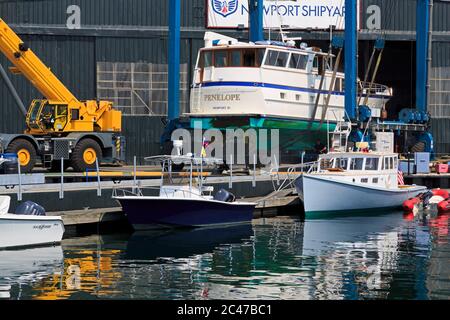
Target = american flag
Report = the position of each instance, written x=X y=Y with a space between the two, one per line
x=400 y=180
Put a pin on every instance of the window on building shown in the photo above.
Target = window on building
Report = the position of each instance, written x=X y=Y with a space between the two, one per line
x=277 y=58
x=140 y=88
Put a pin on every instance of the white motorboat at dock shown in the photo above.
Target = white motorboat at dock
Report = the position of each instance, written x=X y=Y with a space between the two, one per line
x=30 y=229
x=343 y=182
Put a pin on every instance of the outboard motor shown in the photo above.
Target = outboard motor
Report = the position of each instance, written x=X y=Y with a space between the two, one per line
x=426 y=197
x=224 y=196
x=30 y=208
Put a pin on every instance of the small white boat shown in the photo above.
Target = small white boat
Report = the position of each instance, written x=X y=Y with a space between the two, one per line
x=353 y=181
x=30 y=229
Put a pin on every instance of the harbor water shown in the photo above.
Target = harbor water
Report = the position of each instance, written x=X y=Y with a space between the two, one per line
x=384 y=256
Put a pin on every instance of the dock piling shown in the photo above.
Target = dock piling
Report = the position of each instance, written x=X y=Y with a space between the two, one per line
x=99 y=187
x=230 y=184
x=19 y=195
x=254 y=171
x=134 y=174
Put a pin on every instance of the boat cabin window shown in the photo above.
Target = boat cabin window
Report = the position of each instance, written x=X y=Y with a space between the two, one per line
x=390 y=163
x=356 y=163
x=231 y=58
x=276 y=58
x=220 y=58
x=337 y=84
x=235 y=58
x=386 y=163
x=206 y=58
x=298 y=61
x=341 y=163
x=371 y=164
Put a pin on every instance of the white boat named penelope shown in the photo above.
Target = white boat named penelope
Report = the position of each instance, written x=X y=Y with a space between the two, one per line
x=23 y=230
x=343 y=182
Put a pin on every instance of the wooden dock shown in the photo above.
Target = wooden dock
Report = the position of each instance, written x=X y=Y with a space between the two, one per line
x=88 y=203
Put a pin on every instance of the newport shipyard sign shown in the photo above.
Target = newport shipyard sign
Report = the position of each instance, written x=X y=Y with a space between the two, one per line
x=300 y=14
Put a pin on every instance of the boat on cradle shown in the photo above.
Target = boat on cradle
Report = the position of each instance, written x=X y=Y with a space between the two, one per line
x=29 y=226
x=182 y=202
x=272 y=85
x=344 y=182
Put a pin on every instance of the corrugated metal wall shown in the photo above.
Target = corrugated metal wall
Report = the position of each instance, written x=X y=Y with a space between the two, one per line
x=400 y=15
x=102 y=12
x=73 y=54
x=143 y=135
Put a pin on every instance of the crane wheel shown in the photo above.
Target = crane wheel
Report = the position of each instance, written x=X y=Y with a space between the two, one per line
x=84 y=155
x=26 y=154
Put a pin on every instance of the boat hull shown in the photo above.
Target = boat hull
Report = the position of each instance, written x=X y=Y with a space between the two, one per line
x=146 y=213
x=292 y=135
x=324 y=197
x=24 y=231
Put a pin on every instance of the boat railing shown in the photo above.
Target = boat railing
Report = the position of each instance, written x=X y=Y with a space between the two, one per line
x=290 y=173
x=373 y=88
x=138 y=191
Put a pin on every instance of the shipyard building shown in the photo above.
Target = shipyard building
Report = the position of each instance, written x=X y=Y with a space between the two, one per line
x=117 y=50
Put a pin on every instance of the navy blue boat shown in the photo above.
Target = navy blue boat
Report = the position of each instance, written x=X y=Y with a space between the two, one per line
x=150 y=212
x=184 y=205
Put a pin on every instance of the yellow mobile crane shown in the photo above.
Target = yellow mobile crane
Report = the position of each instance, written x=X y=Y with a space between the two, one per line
x=59 y=126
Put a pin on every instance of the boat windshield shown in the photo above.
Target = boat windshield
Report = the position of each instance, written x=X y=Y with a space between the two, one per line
x=356 y=163
x=340 y=163
x=231 y=57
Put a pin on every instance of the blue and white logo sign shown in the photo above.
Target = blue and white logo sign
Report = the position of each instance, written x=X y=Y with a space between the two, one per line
x=299 y=14
x=224 y=7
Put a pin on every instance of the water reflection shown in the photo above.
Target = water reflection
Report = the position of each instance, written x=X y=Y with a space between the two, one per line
x=372 y=257
x=27 y=267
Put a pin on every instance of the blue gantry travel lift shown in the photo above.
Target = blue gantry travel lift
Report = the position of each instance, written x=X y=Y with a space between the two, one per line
x=412 y=121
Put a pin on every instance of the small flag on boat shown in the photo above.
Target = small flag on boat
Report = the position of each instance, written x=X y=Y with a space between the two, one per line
x=400 y=180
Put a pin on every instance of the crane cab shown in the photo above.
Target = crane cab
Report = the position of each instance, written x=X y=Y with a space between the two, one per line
x=45 y=117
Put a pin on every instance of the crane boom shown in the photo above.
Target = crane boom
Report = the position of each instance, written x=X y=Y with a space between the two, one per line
x=32 y=67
